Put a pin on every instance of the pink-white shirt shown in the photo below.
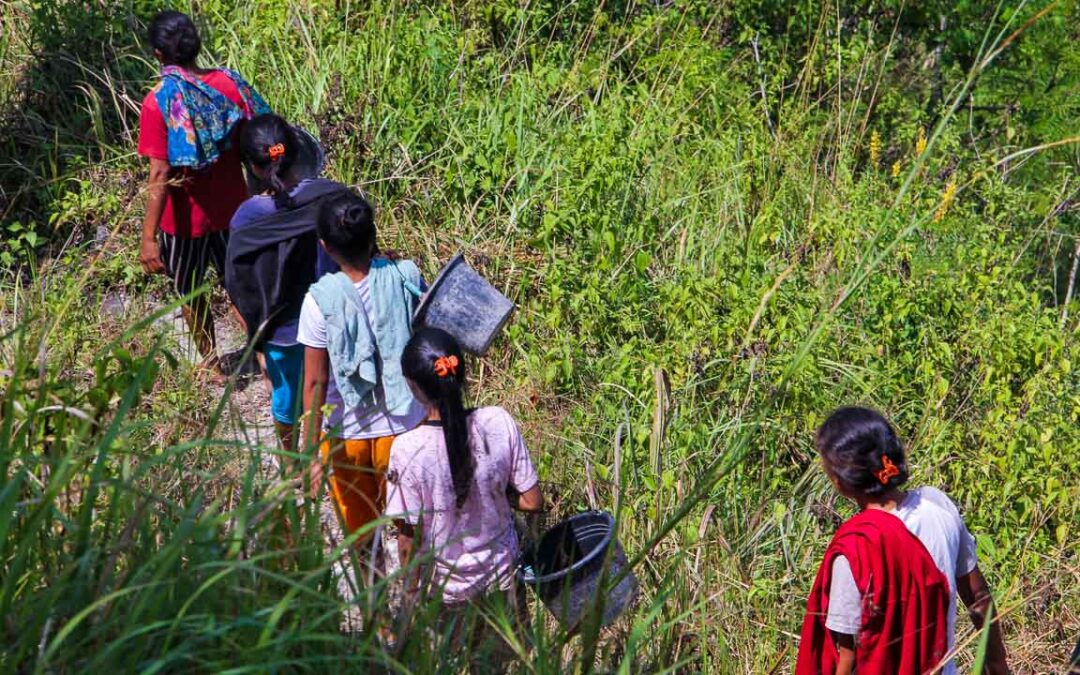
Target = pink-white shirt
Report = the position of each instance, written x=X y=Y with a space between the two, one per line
x=474 y=547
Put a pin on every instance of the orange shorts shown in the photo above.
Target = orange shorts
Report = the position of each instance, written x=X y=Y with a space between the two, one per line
x=356 y=472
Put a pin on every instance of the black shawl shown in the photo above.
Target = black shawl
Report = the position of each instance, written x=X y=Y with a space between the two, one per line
x=271 y=262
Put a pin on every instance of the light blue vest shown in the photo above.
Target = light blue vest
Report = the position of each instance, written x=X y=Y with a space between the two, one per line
x=356 y=362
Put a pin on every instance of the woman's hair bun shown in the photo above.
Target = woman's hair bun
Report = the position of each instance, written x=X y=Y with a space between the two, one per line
x=174 y=35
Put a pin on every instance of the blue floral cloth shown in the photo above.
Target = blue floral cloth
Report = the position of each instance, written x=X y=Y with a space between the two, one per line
x=199 y=118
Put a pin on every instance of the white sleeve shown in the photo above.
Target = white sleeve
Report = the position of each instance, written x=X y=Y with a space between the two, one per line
x=966 y=557
x=522 y=472
x=311 y=331
x=845 y=602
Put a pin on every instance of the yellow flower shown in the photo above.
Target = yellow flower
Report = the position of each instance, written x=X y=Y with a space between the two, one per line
x=875 y=147
x=920 y=142
x=946 y=200
x=896 y=169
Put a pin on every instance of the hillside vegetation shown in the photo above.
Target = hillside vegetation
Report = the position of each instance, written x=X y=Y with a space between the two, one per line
x=719 y=222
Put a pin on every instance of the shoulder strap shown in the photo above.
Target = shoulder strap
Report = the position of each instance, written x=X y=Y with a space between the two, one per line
x=254 y=103
x=175 y=76
x=412 y=288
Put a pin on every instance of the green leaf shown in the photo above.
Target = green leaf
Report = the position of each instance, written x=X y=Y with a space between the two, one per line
x=984 y=643
x=641 y=261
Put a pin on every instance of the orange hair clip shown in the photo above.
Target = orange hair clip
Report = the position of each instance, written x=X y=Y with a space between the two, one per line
x=446 y=365
x=276 y=151
x=888 y=470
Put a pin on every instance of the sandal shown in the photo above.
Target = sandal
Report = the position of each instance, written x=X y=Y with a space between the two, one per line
x=209 y=369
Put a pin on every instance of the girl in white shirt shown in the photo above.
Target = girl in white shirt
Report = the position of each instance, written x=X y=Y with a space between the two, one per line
x=455 y=479
x=354 y=440
x=854 y=444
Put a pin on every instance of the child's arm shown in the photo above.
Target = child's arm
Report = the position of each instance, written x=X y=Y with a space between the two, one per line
x=530 y=501
x=406 y=531
x=316 y=375
x=405 y=543
x=844 y=615
x=975 y=592
x=845 y=653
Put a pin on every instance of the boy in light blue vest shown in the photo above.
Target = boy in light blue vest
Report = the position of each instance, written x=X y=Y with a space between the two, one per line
x=354 y=325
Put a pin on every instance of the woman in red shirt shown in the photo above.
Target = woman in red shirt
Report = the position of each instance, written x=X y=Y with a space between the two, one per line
x=186 y=127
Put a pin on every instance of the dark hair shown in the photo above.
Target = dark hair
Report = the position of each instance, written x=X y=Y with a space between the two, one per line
x=346 y=225
x=174 y=35
x=854 y=442
x=418 y=363
x=259 y=136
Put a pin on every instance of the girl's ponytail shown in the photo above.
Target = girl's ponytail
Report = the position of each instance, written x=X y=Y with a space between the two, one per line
x=282 y=198
x=456 y=435
x=434 y=363
x=269 y=143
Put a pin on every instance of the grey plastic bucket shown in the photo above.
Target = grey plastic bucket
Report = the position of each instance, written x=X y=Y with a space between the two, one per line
x=310 y=161
x=566 y=567
x=464 y=304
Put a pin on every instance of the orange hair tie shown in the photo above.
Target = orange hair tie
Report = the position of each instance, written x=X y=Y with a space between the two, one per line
x=446 y=365
x=276 y=151
x=888 y=470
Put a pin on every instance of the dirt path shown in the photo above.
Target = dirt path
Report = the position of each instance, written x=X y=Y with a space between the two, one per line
x=248 y=420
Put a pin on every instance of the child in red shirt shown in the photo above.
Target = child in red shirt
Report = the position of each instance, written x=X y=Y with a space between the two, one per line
x=196 y=180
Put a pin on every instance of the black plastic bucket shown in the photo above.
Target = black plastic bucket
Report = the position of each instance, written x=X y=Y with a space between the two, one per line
x=566 y=567
x=465 y=305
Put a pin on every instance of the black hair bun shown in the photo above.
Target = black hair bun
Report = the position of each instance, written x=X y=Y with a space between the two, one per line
x=188 y=46
x=356 y=213
x=346 y=224
x=174 y=35
x=861 y=450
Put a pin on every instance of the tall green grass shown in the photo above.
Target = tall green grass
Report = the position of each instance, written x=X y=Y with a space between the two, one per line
x=707 y=256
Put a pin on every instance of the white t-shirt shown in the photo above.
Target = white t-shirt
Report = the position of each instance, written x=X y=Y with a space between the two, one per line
x=931 y=516
x=475 y=546
x=372 y=421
